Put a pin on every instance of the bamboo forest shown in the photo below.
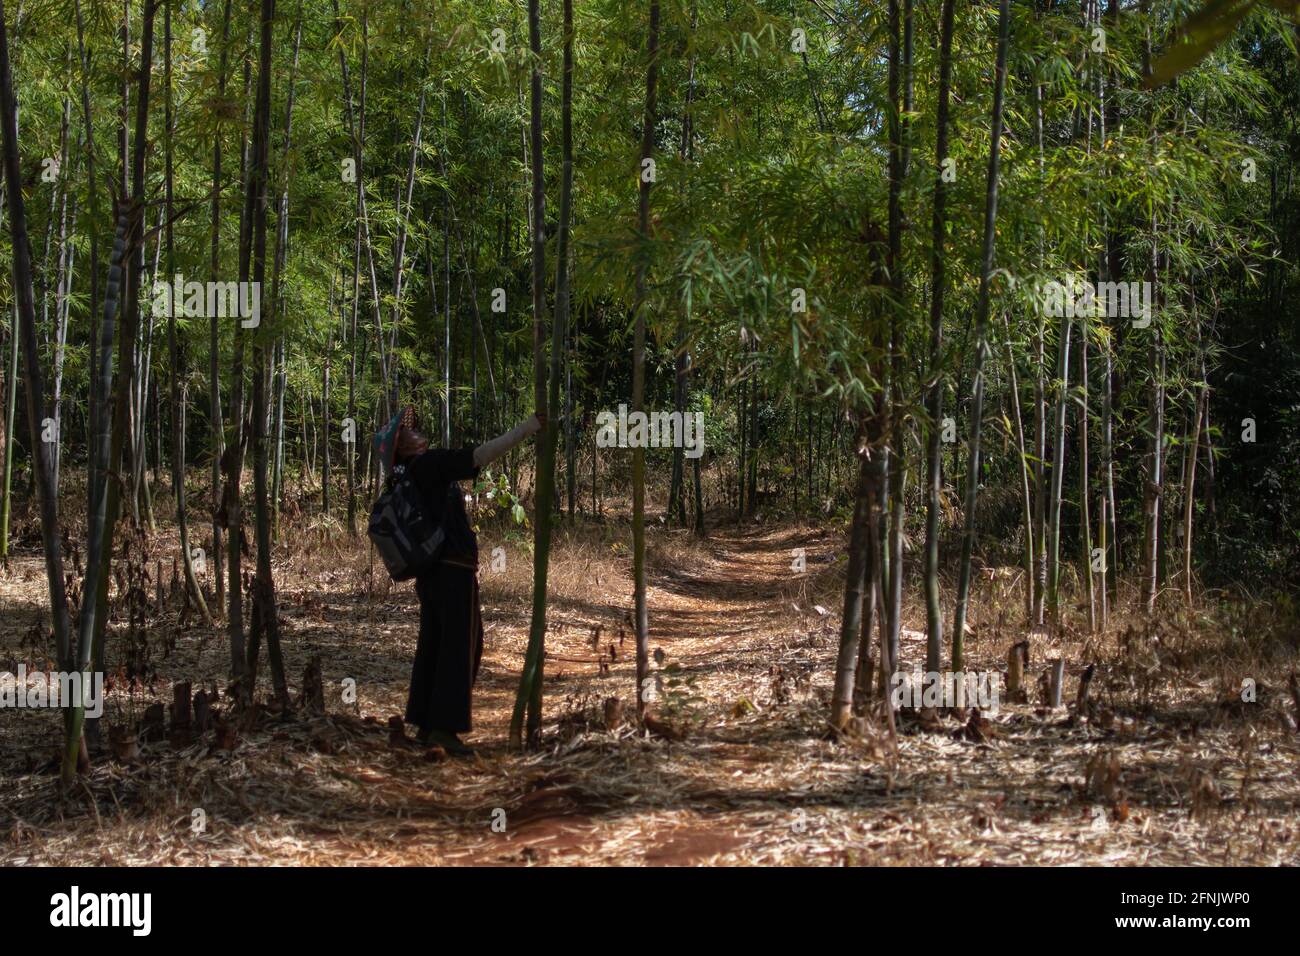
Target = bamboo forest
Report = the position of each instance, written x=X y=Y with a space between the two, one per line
x=672 y=432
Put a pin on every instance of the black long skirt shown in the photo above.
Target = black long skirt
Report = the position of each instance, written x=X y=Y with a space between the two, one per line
x=450 y=649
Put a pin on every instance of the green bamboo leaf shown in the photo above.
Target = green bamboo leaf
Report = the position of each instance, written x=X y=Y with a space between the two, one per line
x=1199 y=35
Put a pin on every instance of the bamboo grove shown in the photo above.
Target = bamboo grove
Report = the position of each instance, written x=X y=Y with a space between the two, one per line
x=835 y=229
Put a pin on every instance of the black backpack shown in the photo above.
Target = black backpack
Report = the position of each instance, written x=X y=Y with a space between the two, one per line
x=408 y=540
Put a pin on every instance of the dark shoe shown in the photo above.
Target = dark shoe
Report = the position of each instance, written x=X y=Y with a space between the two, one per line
x=448 y=742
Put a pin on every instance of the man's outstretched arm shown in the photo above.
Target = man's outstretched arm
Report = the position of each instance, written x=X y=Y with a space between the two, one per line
x=494 y=448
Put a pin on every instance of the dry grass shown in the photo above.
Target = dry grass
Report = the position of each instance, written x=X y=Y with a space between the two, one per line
x=1172 y=768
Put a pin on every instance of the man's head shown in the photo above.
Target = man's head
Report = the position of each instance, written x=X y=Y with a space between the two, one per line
x=411 y=442
x=400 y=438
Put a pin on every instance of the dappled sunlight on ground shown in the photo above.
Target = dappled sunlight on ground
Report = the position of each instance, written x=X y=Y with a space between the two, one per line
x=748 y=656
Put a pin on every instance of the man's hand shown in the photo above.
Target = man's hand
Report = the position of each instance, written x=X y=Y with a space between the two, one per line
x=541 y=421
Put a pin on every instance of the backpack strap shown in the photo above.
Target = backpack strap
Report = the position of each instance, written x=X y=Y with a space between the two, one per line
x=397 y=473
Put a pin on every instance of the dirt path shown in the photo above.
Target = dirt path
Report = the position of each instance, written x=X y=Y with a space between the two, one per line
x=748 y=652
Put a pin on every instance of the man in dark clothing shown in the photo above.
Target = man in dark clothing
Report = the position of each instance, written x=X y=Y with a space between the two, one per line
x=450 y=647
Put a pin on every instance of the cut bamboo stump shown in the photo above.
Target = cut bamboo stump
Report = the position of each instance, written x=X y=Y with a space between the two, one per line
x=1081 y=704
x=613 y=713
x=313 y=688
x=1056 y=680
x=125 y=745
x=202 y=712
x=182 y=724
x=152 y=729
x=1017 y=661
x=1295 y=697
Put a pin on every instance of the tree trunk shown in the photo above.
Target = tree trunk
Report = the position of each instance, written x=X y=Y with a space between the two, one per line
x=42 y=462
x=855 y=583
x=528 y=698
x=130 y=323
x=1027 y=516
x=1058 y=469
x=1040 y=406
x=641 y=621
x=216 y=428
x=173 y=350
x=62 y=272
x=259 y=180
x=1154 y=465
x=1085 y=518
x=570 y=437
x=981 y=338
x=325 y=431
x=357 y=128
x=1189 y=487
x=934 y=391
x=742 y=422
x=446 y=278
x=63 y=305
x=900 y=73
x=11 y=408
x=233 y=458
x=277 y=269
x=399 y=243
x=95 y=224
